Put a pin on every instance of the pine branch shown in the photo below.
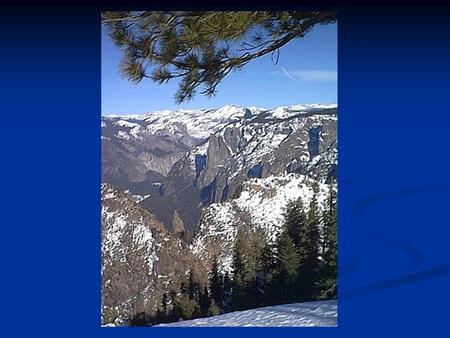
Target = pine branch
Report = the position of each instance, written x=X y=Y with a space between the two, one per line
x=186 y=44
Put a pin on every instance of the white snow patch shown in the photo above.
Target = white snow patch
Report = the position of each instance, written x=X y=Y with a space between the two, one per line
x=321 y=314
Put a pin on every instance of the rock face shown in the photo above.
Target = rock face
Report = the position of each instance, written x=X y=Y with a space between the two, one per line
x=138 y=150
x=132 y=154
x=140 y=259
x=270 y=143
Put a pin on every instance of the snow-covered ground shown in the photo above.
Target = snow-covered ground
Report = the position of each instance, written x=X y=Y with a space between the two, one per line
x=323 y=313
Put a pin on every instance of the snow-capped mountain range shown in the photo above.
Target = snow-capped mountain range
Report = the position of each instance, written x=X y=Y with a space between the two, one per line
x=136 y=146
x=181 y=183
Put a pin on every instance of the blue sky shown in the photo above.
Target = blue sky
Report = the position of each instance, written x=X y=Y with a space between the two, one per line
x=306 y=73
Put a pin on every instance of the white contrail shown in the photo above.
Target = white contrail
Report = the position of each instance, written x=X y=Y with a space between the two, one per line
x=287 y=74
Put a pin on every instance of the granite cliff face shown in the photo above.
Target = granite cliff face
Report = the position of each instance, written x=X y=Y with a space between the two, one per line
x=131 y=154
x=269 y=143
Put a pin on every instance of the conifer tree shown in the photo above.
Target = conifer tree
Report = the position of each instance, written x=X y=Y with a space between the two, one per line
x=239 y=295
x=201 y=48
x=227 y=293
x=213 y=308
x=309 y=246
x=141 y=319
x=216 y=282
x=330 y=231
x=162 y=313
x=205 y=302
x=295 y=220
x=246 y=257
x=187 y=306
x=175 y=313
x=193 y=290
x=265 y=276
x=238 y=253
x=288 y=263
x=252 y=277
x=328 y=280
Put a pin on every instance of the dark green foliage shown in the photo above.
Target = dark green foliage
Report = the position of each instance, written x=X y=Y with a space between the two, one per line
x=213 y=309
x=175 y=313
x=193 y=289
x=310 y=240
x=238 y=298
x=328 y=277
x=238 y=253
x=295 y=220
x=201 y=48
x=205 y=302
x=309 y=246
x=330 y=232
x=216 y=283
x=288 y=258
x=162 y=314
x=141 y=319
x=287 y=269
x=227 y=293
x=188 y=307
x=246 y=258
x=304 y=231
x=265 y=281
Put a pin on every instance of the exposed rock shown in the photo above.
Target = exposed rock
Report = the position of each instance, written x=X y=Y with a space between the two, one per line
x=140 y=259
x=264 y=146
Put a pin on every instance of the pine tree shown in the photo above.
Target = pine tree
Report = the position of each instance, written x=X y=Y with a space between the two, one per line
x=193 y=289
x=141 y=319
x=239 y=295
x=213 y=309
x=175 y=313
x=252 y=259
x=246 y=257
x=227 y=293
x=330 y=232
x=201 y=48
x=162 y=313
x=205 y=302
x=295 y=220
x=265 y=276
x=287 y=266
x=238 y=253
x=187 y=306
x=309 y=246
x=328 y=281
x=216 y=282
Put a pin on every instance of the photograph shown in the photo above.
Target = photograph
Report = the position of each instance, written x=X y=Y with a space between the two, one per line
x=219 y=168
x=181 y=169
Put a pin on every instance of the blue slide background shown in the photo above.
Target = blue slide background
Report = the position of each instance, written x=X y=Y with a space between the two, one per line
x=394 y=176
